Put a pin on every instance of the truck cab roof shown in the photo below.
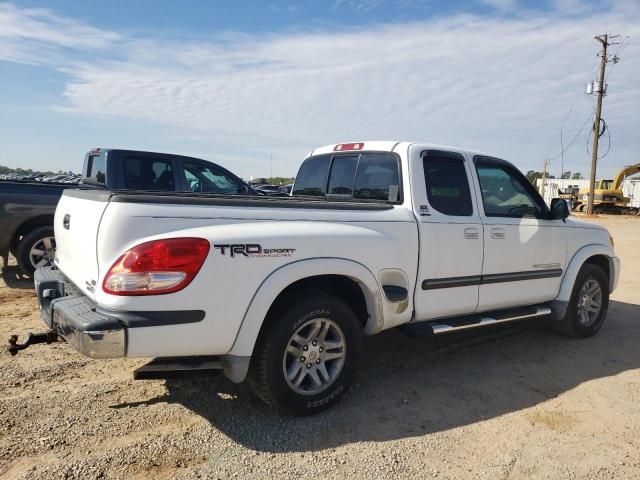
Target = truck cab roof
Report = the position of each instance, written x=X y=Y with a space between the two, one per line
x=386 y=146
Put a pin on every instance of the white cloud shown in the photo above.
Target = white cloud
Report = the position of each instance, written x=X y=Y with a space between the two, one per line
x=502 y=85
x=32 y=35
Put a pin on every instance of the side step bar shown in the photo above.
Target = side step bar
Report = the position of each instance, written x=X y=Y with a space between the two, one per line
x=179 y=367
x=442 y=327
x=456 y=324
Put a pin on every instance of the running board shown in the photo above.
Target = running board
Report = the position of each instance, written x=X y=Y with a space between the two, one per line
x=485 y=319
x=178 y=367
x=442 y=327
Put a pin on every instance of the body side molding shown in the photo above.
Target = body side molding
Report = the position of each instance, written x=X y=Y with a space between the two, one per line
x=431 y=284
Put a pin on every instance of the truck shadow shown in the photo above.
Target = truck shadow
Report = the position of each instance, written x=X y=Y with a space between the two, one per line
x=14 y=277
x=410 y=387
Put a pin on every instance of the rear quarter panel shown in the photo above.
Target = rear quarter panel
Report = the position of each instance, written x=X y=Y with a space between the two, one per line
x=226 y=284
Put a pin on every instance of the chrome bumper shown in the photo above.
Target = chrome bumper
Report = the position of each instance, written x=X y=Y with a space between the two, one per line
x=73 y=316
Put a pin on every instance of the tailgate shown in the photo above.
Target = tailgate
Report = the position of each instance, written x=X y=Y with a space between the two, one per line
x=76 y=226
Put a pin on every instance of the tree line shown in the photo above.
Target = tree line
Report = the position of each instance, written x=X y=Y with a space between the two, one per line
x=532 y=175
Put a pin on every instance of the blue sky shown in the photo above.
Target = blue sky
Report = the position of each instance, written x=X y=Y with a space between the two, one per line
x=236 y=82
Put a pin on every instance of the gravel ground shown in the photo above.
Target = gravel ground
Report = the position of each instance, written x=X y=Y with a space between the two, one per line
x=516 y=403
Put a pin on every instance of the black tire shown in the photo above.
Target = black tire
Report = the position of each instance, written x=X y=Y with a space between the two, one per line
x=570 y=325
x=28 y=241
x=267 y=371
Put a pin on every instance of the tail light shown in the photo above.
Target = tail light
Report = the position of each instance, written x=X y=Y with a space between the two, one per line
x=157 y=267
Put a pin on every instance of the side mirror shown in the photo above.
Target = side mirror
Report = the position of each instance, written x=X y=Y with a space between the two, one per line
x=559 y=209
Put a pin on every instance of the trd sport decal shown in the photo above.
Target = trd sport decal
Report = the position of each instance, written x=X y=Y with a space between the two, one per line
x=253 y=250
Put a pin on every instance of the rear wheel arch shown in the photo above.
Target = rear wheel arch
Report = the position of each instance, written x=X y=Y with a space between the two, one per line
x=343 y=287
x=338 y=277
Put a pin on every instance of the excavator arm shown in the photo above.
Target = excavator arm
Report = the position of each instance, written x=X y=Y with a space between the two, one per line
x=624 y=173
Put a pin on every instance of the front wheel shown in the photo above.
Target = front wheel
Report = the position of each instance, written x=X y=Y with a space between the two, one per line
x=307 y=355
x=588 y=304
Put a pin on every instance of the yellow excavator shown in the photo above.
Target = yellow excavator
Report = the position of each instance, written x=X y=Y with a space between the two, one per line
x=608 y=196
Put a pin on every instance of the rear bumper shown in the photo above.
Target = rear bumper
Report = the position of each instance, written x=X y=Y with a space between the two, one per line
x=97 y=332
x=73 y=316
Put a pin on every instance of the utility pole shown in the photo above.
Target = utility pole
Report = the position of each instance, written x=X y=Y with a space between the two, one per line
x=544 y=177
x=600 y=87
x=270 y=166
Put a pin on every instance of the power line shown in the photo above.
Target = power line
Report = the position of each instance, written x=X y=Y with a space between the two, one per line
x=605 y=128
x=593 y=69
x=615 y=57
x=575 y=137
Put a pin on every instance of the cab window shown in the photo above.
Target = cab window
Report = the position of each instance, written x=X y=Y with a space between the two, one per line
x=507 y=193
x=447 y=184
x=201 y=177
x=95 y=169
x=312 y=177
x=148 y=173
x=377 y=178
x=341 y=178
x=365 y=176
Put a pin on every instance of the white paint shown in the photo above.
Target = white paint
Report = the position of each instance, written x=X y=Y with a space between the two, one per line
x=236 y=292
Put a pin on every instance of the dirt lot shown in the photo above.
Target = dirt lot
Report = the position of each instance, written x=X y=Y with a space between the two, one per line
x=519 y=403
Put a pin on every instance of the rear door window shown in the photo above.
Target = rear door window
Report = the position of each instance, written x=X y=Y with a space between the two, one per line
x=447 y=184
x=148 y=173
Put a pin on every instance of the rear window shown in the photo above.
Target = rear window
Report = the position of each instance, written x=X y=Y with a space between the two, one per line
x=341 y=178
x=147 y=173
x=96 y=170
x=312 y=176
x=365 y=176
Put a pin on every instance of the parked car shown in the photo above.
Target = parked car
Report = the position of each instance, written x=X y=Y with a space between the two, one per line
x=269 y=189
x=286 y=188
x=27 y=209
x=282 y=290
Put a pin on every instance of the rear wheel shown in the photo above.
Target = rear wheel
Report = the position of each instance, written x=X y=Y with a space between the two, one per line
x=588 y=304
x=36 y=249
x=307 y=356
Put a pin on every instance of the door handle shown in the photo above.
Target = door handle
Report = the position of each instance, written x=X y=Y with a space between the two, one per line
x=497 y=233
x=471 y=233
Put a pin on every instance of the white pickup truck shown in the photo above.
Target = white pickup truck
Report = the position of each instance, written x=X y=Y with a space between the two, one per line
x=282 y=290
